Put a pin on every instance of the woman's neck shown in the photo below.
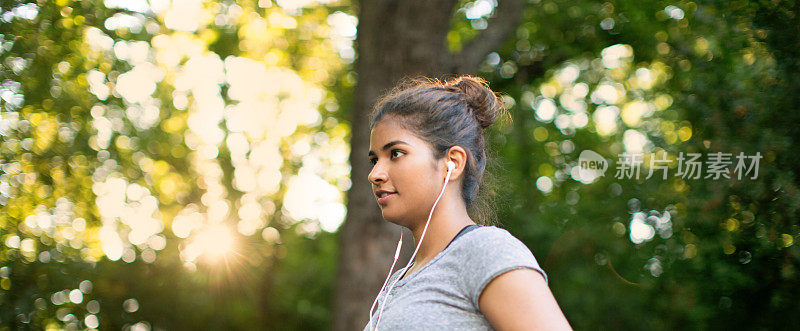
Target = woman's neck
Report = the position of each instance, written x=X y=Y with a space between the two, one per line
x=448 y=219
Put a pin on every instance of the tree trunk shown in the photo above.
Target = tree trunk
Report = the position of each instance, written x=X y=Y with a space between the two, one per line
x=396 y=39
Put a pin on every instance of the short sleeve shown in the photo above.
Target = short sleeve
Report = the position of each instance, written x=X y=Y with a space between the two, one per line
x=491 y=252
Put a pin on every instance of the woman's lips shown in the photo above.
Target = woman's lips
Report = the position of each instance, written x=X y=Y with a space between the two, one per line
x=386 y=198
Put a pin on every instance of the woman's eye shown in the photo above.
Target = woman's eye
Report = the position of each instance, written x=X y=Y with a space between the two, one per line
x=397 y=151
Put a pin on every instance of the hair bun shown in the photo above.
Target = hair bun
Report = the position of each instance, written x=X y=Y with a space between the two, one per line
x=483 y=103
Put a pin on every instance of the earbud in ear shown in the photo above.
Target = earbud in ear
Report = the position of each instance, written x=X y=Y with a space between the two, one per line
x=450 y=165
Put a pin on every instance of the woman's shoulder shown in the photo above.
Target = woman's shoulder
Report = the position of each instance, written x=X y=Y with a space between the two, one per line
x=488 y=252
x=493 y=243
x=490 y=234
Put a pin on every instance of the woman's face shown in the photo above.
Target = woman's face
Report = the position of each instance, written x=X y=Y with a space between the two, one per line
x=403 y=166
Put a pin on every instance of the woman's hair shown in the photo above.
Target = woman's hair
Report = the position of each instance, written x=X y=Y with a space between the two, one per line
x=445 y=114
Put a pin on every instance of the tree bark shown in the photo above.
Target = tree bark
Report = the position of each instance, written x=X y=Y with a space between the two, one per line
x=396 y=39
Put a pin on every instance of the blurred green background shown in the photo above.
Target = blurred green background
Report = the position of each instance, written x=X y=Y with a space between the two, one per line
x=183 y=165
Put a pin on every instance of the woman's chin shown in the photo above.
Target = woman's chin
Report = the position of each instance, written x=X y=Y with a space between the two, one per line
x=388 y=217
x=392 y=218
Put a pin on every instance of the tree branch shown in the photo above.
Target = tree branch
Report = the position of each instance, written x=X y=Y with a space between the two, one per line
x=506 y=19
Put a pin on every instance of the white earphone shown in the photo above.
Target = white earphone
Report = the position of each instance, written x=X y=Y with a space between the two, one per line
x=450 y=167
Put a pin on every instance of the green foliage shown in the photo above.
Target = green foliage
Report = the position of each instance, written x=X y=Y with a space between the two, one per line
x=724 y=80
x=116 y=194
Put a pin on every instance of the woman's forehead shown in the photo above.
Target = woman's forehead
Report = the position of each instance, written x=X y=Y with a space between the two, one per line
x=390 y=130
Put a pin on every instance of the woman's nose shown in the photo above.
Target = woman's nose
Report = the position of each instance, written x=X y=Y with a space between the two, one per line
x=377 y=174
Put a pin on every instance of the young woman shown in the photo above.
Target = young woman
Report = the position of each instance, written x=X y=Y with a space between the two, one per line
x=428 y=159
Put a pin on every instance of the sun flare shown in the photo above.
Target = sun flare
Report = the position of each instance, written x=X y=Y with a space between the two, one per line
x=214 y=242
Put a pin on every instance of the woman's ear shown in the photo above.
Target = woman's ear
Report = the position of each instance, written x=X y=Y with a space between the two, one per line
x=457 y=155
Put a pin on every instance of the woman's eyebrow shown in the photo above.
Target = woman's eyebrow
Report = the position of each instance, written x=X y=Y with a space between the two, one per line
x=388 y=145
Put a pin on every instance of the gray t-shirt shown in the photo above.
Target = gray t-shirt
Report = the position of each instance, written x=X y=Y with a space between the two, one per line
x=443 y=295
